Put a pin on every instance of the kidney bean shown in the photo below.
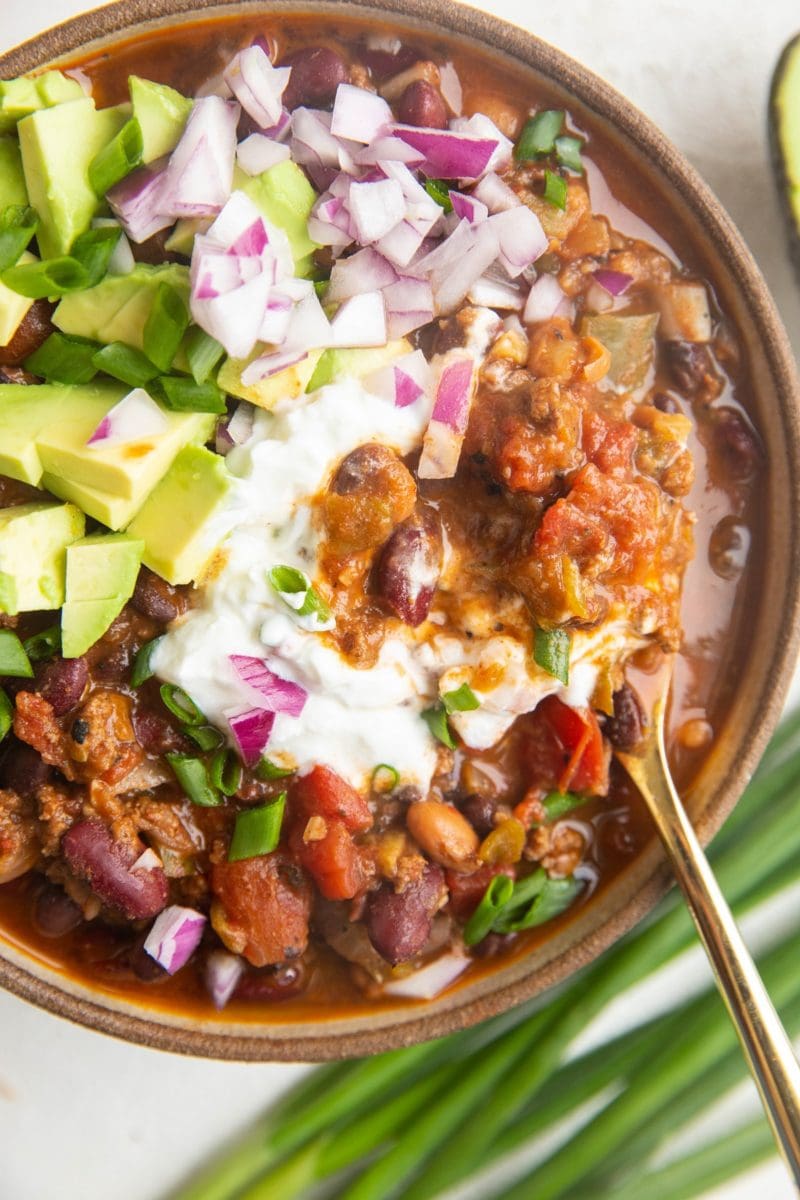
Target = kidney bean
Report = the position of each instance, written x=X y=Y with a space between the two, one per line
x=383 y=64
x=143 y=965
x=737 y=442
x=422 y=104
x=55 y=913
x=399 y=923
x=409 y=567
x=156 y=734
x=274 y=984
x=317 y=71
x=36 y=328
x=690 y=365
x=665 y=402
x=62 y=682
x=626 y=728
x=22 y=770
x=94 y=855
x=157 y=599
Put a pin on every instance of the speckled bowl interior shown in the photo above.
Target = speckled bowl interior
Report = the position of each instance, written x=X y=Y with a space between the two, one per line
x=762 y=679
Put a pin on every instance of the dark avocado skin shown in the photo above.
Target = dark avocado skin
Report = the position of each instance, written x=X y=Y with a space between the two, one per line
x=782 y=154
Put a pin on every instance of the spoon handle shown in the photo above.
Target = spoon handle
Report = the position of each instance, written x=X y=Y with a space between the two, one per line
x=765 y=1043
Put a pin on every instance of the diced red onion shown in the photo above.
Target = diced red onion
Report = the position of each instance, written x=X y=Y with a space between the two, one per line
x=431 y=980
x=468 y=208
x=148 y=860
x=444 y=437
x=401 y=244
x=361 y=321
x=495 y=193
x=389 y=149
x=358 y=115
x=616 y=283
x=252 y=242
x=493 y=292
x=409 y=305
x=314 y=144
x=257 y=85
x=174 y=937
x=259 y=153
x=222 y=974
x=251 y=730
x=136 y=201
x=275 y=325
x=544 y=300
x=277 y=694
x=481 y=126
x=458 y=262
x=271 y=364
x=280 y=131
x=199 y=177
x=598 y=299
x=135 y=417
x=450 y=87
x=375 y=209
x=401 y=382
x=365 y=271
x=450 y=155
x=234 y=318
x=521 y=237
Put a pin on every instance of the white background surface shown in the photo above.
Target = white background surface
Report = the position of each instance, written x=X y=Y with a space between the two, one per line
x=83 y=1117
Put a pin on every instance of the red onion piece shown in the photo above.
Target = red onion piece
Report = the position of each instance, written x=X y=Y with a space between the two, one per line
x=258 y=153
x=544 y=300
x=375 y=209
x=402 y=382
x=449 y=155
x=389 y=149
x=441 y=448
x=431 y=980
x=277 y=694
x=458 y=262
x=251 y=730
x=481 y=126
x=495 y=193
x=174 y=937
x=616 y=283
x=199 y=177
x=361 y=321
x=521 y=237
x=468 y=208
x=313 y=144
x=134 y=417
x=257 y=85
x=492 y=291
x=359 y=115
x=406 y=390
x=365 y=271
x=271 y=364
x=450 y=87
x=409 y=305
x=236 y=429
x=136 y=201
x=235 y=317
x=401 y=244
x=222 y=974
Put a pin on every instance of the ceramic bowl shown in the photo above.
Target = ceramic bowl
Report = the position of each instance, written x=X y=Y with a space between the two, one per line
x=762 y=679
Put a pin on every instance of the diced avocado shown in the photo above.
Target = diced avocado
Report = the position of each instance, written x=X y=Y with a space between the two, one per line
x=13 y=307
x=176 y=521
x=181 y=240
x=285 y=197
x=33 y=542
x=101 y=576
x=127 y=469
x=20 y=97
x=630 y=340
x=284 y=385
x=110 y=510
x=58 y=144
x=162 y=114
x=784 y=127
x=12 y=177
x=355 y=364
x=116 y=310
x=25 y=412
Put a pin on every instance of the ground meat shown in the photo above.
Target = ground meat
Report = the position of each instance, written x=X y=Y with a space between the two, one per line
x=558 y=848
x=59 y=807
x=19 y=841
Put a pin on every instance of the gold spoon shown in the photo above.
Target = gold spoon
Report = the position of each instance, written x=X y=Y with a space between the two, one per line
x=765 y=1043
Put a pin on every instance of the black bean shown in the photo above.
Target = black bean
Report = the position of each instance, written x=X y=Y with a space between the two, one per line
x=157 y=599
x=408 y=570
x=626 y=728
x=422 y=104
x=22 y=770
x=62 y=682
x=690 y=365
x=479 y=811
x=317 y=71
x=274 y=983
x=399 y=923
x=357 y=469
x=34 y=330
x=55 y=913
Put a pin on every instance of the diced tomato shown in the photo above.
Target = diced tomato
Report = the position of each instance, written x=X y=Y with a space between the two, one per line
x=466 y=891
x=266 y=904
x=324 y=793
x=334 y=862
x=608 y=445
x=585 y=753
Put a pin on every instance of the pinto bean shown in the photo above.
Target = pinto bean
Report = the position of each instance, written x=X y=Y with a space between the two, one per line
x=55 y=913
x=157 y=599
x=691 y=366
x=409 y=567
x=317 y=71
x=626 y=728
x=35 y=329
x=62 y=682
x=737 y=442
x=422 y=104
x=22 y=770
x=94 y=855
x=399 y=923
x=443 y=833
x=371 y=493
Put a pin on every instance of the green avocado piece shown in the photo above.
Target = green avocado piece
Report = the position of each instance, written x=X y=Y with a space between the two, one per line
x=181 y=240
x=33 y=542
x=784 y=127
x=58 y=144
x=285 y=197
x=26 y=412
x=20 y=97
x=162 y=114
x=631 y=342
x=356 y=363
x=116 y=310
x=100 y=578
x=105 y=507
x=13 y=307
x=284 y=385
x=175 y=522
x=12 y=177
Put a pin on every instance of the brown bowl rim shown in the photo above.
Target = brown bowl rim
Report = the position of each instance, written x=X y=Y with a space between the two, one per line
x=262 y=1043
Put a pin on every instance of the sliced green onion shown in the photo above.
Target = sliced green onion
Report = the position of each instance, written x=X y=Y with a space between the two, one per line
x=181 y=705
x=461 y=699
x=551 y=652
x=494 y=900
x=18 y=224
x=558 y=804
x=438 y=190
x=205 y=736
x=555 y=190
x=142 y=664
x=225 y=772
x=13 y=659
x=39 y=280
x=257 y=830
x=64 y=359
x=44 y=645
x=555 y=896
x=539 y=134
x=267 y=770
x=6 y=714
x=184 y=395
x=384 y=779
x=118 y=158
x=125 y=363
x=165 y=327
x=436 y=720
x=192 y=775
x=568 y=153
x=93 y=250
x=203 y=353
x=295 y=589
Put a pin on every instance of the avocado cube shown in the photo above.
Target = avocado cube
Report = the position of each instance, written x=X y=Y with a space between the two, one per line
x=33 y=543
x=285 y=197
x=176 y=523
x=101 y=576
x=283 y=385
x=116 y=310
x=13 y=307
x=110 y=510
x=355 y=364
x=58 y=145
x=20 y=97
x=162 y=114
x=25 y=412
x=12 y=177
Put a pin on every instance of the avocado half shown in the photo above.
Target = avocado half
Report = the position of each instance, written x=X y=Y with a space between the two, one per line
x=784 y=128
